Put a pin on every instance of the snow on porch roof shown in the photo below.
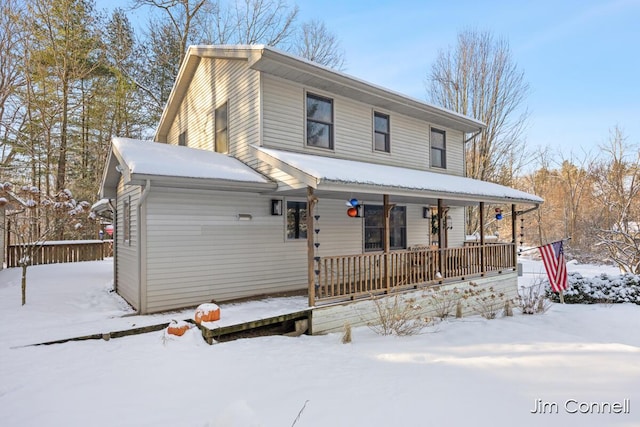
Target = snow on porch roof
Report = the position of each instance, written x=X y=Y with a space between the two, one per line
x=146 y=158
x=328 y=171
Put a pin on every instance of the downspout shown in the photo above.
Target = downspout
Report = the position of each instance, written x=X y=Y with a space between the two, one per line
x=141 y=225
x=114 y=246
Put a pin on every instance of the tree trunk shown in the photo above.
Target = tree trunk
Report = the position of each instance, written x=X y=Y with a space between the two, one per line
x=24 y=283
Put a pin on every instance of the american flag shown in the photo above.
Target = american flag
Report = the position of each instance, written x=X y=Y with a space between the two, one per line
x=554 y=263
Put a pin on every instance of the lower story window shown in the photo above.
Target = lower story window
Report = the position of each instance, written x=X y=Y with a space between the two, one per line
x=296 y=220
x=374 y=228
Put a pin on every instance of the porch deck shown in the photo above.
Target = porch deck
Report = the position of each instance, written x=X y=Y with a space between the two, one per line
x=350 y=277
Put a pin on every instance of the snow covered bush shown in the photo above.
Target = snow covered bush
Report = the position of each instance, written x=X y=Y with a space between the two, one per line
x=600 y=289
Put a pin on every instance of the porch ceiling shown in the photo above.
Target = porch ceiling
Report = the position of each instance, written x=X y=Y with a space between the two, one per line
x=333 y=178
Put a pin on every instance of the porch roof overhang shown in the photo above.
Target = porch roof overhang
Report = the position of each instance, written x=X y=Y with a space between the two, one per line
x=333 y=177
x=174 y=166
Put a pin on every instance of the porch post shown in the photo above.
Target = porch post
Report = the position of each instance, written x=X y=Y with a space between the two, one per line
x=387 y=241
x=514 y=218
x=441 y=237
x=311 y=202
x=483 y=268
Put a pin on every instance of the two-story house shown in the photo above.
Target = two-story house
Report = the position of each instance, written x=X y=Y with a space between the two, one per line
x=270 y=173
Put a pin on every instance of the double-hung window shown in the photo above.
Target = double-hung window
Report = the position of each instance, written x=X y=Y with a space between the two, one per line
x=319 y=121
x=438 y=149
x=381 y=133
x=296 y=220
x=222 y=135
x=374 y=228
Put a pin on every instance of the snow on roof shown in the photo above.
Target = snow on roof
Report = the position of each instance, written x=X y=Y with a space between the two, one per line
x=157 y=159
x=328 y=169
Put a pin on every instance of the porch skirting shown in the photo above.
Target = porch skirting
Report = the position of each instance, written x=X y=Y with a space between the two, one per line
x=332 y=318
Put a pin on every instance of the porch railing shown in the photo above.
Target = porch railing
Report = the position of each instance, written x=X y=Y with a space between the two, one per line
x=352 y=276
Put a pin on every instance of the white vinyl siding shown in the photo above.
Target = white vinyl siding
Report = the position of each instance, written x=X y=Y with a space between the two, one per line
x=197 y=250
x=284 y=123
x=127 y=280
x=457 y=234
x=235 y=84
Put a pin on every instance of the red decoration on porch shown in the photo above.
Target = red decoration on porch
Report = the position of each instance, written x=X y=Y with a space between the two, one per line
x=109 y=229
x=207 y=313
x=352 y=212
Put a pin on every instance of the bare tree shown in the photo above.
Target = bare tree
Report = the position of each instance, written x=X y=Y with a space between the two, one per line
x=316 y=43
x=11 y=79
x=617 y=188
x=575 y=180
x=182 y=14
x=31 y=225
x=480 y=79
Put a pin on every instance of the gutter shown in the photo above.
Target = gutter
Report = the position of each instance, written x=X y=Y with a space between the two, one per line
x=472 y=136
x=141 y=225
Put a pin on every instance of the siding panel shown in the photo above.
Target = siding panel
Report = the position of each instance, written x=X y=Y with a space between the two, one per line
x=127 y=273
x=284 y=128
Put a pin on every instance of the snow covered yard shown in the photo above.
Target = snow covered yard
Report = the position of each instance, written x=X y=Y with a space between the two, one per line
x=461 y=372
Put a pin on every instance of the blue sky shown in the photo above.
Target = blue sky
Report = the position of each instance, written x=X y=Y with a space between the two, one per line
x=580 y=58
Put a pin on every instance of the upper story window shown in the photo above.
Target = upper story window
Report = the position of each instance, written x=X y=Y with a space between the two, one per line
x=296 y=220
x=222 y=135
x=381 y=133
x=182 y=139
x=319 y=121
x=374 y=228
x=438 y=149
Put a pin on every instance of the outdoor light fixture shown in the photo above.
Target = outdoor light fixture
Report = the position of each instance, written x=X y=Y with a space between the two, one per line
x=244 y=217
x=276 y=207
x=426 y=212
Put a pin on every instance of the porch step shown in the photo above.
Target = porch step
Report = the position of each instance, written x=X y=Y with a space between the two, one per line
x=290 y=324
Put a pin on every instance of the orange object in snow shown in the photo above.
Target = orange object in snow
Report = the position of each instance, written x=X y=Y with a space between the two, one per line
x=177 y=328
x=207 y=313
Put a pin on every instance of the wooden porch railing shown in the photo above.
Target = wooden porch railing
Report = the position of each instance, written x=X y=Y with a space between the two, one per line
x=353 y=276
x=63 y=251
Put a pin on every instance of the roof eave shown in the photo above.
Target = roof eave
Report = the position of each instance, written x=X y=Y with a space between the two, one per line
x=275 y=62
x=201 y=183
x=465 y=198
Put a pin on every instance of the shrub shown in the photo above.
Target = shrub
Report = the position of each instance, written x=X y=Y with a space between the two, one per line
x=485 y=301
x=599 y=289
x=397 y=316
x=533 y=299
x=444 y=301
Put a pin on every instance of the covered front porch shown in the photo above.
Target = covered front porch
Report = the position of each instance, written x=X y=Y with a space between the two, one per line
x=362 y=275
x=375 y=257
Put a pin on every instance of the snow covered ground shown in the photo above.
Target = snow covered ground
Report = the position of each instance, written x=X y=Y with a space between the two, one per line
x=470 y=371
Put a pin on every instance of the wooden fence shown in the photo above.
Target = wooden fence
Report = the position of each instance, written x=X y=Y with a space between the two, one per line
x=63 y=251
